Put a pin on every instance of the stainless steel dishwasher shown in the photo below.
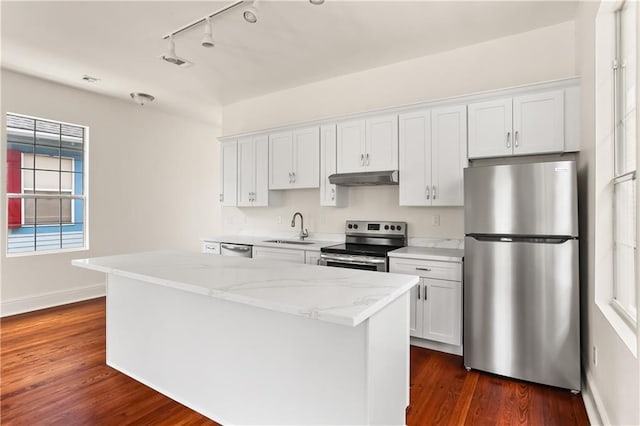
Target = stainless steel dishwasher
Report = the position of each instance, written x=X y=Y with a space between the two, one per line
x=240 y=250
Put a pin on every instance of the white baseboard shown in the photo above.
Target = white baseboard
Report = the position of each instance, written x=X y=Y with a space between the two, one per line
x=436 y=346
x=593 y=402
x=47 y=300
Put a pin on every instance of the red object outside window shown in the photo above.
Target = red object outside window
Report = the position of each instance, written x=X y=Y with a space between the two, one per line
x=14 y=186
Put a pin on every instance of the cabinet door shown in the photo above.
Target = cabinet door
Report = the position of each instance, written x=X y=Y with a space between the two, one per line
x=306 y=158
x=415 y=159
x=311 y=257
x=279 y=255
x=246 y=171
x=382 y=143
x=490 y=129
x=228 y=173
x=351 y=146
x=538 y=123
x=211 y=247
x=261 y=181
x=442 y=311
x=448 y=155
x=280 y=161
x=330 y=195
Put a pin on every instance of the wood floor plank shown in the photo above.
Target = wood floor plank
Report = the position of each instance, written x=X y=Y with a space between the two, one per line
x=53 y=372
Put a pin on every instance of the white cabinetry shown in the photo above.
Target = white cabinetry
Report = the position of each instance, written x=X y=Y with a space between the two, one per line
x=330 y=195
x=523 y=125
x=368 y=145
x=311 y=257
x=253 y=171
x=229 y=173
x=279 y=254
x=294 y=159
x=211 y=247
x=436 y=301
x=433 y=156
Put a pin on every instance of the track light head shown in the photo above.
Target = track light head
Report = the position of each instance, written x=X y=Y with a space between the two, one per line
x=171 y=56
x=207 y=40
x=250 y=13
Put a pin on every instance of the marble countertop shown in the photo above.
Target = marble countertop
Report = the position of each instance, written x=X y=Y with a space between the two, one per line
x=259 y=241
x=428 y=253
x=336 y=295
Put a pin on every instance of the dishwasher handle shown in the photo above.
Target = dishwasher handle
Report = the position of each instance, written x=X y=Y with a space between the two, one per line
x=234 y=247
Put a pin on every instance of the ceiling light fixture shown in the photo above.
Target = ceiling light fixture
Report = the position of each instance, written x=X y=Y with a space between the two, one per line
x=171 y=56
x=207 y=40
x=250 y=13
x=141 y=98
x=316 y=2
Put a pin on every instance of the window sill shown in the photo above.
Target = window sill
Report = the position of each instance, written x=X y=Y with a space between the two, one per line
x=622 y=328
x=46 y=252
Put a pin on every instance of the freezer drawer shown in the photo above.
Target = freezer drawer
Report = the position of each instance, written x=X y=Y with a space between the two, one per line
x=521 y=199
x=521 y=310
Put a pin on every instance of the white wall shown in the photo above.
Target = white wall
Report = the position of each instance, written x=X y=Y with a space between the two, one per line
x=613 y=386
x=535 y=56
x=152 y=185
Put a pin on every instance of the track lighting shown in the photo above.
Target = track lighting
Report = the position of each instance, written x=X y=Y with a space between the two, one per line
x=207 y=40
x=141 y=98
x=171 y=56
x=250 y=13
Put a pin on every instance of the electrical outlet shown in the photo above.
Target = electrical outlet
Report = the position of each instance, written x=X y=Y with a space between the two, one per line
x=595 y=356
x=278 y=220
x=436 y=220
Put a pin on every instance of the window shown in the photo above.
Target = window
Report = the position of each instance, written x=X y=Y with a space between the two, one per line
x=46 y=203
x=624 y=176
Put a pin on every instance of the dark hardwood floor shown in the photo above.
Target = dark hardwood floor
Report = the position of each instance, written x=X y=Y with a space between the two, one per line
x=54 y=373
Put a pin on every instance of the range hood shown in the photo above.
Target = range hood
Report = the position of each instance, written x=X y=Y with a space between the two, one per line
x=387 y=177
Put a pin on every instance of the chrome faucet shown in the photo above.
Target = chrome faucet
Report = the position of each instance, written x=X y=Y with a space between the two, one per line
x=303 y=232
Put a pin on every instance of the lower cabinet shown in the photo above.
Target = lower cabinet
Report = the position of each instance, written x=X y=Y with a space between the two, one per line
x=311 y=257
x=211 y=247
x=436 y=301
x=279 y=254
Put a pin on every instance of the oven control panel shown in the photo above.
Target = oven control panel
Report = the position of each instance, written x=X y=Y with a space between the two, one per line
x=376 y=228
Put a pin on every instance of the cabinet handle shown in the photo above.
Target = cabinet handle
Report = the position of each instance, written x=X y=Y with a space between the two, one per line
x=221 y=197
x=426 y=292
x=367 y=158
x=423 y=269
x=418 y=291
x=427 y=192
x=293 y=175
x=289 y=177
x=515 y=139
x=508 y=139
x=333 y=194
x=434 y=192
x=362 y=159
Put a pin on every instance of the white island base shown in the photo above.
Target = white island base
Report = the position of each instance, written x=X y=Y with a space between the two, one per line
x=241 y=364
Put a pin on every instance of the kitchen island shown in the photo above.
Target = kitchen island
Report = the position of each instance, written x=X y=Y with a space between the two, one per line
x=246 y=341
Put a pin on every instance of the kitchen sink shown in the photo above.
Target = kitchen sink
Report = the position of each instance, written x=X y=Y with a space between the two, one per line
x=288 y=242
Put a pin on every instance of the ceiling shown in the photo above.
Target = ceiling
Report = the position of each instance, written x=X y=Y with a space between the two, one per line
x=293 y=43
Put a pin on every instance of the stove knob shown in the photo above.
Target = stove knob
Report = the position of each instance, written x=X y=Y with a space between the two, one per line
x=386 y=227
x=355 y=226
x=393 y=228
x=350 y=226
x=399 y=228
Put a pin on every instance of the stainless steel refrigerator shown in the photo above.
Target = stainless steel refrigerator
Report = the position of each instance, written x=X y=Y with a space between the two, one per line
x=521 y=291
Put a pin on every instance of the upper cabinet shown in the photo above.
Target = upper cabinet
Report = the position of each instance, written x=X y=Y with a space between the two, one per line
x=368 y=145
x=253 y=173
x=522 y=125
x=330 y=195
x=229 y=173
x=294 y=159
x=433 y=156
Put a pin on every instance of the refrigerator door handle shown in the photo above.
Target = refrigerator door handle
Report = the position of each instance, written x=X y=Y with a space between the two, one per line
x=541 y=239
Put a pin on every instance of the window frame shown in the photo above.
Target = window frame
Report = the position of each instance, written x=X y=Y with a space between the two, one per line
x=83 y=197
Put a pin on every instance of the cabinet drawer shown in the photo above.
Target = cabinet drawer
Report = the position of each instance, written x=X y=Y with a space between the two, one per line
x=278 y=254
x=211 y=247
x=427 y=268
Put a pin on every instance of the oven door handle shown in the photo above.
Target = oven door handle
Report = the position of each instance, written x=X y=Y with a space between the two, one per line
x=342 y=259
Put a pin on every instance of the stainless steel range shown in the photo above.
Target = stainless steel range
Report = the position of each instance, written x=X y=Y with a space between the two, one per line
x=366 y=245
